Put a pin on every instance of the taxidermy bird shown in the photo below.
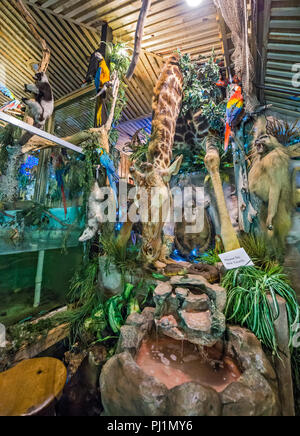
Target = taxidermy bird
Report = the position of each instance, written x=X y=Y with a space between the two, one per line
x=60 y=169
x=5 y=91
x=235 y=106
x=13 y=104
x=112 y=175
x=98 y=70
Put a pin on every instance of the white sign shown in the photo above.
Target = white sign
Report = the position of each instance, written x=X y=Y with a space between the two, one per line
x=235 y=259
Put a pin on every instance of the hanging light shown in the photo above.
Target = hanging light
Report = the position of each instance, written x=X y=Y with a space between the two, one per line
x=193 y=3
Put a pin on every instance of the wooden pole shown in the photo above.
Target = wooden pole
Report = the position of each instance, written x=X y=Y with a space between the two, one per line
x=138 y=37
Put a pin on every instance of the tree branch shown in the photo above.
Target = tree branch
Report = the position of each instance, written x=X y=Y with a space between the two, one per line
x=138 y=37
x=116 y=86
x=33 y=27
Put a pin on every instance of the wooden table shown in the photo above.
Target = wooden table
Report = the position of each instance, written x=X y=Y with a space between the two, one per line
x=31 y=387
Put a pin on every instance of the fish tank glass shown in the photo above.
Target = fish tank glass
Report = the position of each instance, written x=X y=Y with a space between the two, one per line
x=41 y=221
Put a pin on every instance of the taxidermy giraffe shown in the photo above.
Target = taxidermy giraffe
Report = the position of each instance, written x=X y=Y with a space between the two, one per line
x=157 y=171
x=191 y=129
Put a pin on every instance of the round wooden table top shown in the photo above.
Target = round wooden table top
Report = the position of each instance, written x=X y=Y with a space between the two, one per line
x=31 y=386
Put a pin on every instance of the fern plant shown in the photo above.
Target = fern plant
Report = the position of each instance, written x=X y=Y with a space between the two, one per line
x=248 y=301
x=200 y=91
x=264 y=253
x=226 y=163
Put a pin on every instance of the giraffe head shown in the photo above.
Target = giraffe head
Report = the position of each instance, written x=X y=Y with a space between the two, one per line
x=157 y=172
x=153 y=193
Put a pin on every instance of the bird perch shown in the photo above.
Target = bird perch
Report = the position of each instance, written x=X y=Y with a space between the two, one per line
x=102 y=133
x=138 y=37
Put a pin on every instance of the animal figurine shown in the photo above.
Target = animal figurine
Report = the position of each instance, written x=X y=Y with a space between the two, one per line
x=95 y=215
x=42 y=106
x=112 y=175
x=235 y=107
x=98 y=70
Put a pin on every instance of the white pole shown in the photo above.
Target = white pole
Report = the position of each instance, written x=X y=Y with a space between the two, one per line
x=41 y=133
x=39 y=279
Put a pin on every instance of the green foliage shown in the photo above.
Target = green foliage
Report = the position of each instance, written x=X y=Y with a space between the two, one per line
x=140 y=155
x=264 y=253
x=85 y=296
x=34 y=215
x=91 y=319
x=7 y=138
x=226 y=161
x=209 y=258
x=248 y=289
x=119 y=58
x=201 y=92
x=140 y=151
x=119 y=61
x=124 y=258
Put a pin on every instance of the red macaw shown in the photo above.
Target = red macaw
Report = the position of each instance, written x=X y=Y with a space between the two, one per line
x=234 y=108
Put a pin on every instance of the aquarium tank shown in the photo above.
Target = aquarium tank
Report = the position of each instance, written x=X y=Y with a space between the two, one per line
x=41 y=218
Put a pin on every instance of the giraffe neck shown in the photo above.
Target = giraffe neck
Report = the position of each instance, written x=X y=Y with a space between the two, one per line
x=166 y=108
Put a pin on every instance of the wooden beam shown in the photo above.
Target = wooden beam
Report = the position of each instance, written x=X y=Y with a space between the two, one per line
x=61 y=16
x=74 y=96
x=223 y=32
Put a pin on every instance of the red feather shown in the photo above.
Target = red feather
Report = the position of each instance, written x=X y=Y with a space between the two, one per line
x=64 y=200
x=227 y=136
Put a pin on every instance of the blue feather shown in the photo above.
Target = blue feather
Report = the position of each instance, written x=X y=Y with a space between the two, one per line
x=112 y=175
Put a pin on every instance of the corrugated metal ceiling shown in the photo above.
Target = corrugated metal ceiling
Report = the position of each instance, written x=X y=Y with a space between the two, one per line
x=72 y=29
x=282 y=54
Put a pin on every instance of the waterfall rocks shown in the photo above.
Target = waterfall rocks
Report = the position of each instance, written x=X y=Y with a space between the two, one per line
x=190 y=308
x=128 y=390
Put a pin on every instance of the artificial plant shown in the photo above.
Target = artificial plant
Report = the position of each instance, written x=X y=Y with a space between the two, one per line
x=252 y=301
x=200 y=91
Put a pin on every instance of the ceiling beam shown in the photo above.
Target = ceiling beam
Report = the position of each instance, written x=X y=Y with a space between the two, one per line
x=61 y=16
x=224 y=38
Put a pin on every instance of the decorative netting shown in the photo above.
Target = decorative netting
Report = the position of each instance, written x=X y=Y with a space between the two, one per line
x=235 y=15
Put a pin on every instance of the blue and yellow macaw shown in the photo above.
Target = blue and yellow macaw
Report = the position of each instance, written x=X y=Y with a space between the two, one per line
x=99 y=71
x=235 y=106
x=112 y=175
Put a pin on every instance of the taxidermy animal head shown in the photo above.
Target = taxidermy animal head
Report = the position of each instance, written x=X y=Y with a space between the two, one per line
x=41 y=78
x=263 y=142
